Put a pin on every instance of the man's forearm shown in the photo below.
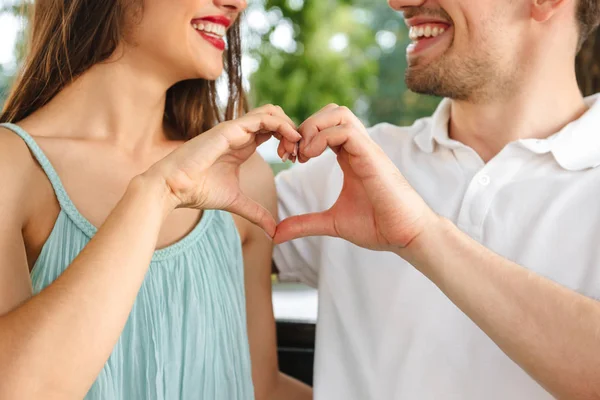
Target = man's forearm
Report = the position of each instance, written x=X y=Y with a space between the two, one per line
x=553 y=333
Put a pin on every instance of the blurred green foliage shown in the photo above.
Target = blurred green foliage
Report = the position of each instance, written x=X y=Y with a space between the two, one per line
x=392 y=101
x=313 y=75
x=5 y=82
x=366 y=76
x=6 y=74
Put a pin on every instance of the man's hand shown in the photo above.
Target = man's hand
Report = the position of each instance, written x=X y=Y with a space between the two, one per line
x=377 y=208
x=534 y=321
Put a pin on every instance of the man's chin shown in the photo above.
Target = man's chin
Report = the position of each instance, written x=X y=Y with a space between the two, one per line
x=433 y=82
x=420 y=81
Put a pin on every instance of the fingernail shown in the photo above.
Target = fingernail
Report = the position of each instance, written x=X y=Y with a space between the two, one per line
x=285 y=157
x=295 y=152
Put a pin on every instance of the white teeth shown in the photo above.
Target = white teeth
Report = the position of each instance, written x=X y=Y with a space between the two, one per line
x=417 y=32
x=215 y=29
x=412 y=34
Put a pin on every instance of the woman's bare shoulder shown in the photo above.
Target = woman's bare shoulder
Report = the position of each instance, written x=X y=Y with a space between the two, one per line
x=14 y=152
x=17 y=168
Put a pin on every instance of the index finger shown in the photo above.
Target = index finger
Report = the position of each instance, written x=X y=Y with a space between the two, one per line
x=275 y=111
x=270 y=124
x=329 y=117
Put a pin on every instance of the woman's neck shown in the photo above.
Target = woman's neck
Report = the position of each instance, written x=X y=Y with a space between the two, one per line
x=116 y=101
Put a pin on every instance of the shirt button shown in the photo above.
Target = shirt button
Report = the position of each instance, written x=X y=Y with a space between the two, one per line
x=484 y=180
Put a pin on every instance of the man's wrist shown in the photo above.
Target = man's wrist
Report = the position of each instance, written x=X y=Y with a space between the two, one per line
x=426 y=245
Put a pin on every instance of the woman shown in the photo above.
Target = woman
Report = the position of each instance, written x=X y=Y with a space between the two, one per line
x=108 y=95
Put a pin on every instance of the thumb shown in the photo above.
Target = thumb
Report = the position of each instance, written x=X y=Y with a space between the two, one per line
x=316 y=224
x=253 y=212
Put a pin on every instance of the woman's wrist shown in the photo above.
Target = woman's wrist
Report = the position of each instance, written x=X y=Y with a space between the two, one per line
x=152 y=187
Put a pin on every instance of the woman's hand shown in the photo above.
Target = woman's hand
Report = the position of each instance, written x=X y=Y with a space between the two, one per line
x=204 y=172
x=377 y=208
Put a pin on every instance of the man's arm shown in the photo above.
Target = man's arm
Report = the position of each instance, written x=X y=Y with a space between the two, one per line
x=553 y=333
x=256 y=180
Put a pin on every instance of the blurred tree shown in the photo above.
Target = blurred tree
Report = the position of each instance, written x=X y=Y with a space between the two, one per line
x=18 y=9
x=393 y=102
x=5 y=81
x=366 y=74
x=322 y=62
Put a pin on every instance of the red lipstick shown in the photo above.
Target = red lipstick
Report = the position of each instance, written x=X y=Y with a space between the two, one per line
x=215 y=40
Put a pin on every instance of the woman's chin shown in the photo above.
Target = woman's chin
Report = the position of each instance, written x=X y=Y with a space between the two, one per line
x=209 y=73
x=211 y=77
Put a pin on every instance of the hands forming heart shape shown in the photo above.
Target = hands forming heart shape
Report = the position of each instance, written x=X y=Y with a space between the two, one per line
x=376 y=209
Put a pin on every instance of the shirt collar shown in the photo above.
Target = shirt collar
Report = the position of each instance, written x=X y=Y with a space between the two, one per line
x=575 y=147
x=436 y=130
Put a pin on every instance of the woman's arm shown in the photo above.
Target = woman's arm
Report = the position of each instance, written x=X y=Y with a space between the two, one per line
x=256 y=180
x=54 y=344
x=75 y=322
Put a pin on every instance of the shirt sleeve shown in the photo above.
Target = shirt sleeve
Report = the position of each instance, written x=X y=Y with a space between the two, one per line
x=305 y=188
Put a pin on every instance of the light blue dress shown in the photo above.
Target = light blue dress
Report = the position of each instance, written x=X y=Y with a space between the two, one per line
x=186 y=336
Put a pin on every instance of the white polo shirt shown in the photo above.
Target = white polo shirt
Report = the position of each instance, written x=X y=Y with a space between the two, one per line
x=384 y=331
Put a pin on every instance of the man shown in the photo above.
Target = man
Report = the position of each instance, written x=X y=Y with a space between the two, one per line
x=509 y=161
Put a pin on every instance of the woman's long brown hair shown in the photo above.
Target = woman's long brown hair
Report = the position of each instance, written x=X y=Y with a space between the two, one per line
x=67 y=37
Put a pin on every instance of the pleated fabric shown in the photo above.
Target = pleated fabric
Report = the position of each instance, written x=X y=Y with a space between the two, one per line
x=186 y=336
